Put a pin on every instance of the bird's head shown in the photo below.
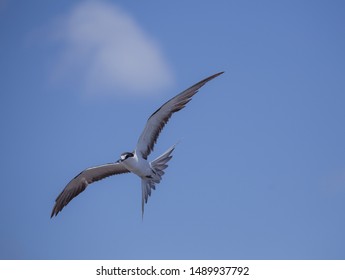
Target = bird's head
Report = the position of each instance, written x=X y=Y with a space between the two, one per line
x=126 y=155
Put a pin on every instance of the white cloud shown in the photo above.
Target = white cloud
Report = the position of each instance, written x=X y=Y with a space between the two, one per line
x=108 y=53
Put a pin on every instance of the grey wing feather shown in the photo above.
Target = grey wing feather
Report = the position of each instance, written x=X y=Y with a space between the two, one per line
x=160 y=117
x=79 y=183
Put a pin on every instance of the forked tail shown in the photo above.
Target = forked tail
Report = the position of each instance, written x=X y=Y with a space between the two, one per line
x=158 y=165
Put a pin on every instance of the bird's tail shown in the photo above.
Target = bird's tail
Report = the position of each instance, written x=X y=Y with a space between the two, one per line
x=158 y=165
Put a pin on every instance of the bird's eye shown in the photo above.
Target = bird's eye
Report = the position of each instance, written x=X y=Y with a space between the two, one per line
x=126 y=155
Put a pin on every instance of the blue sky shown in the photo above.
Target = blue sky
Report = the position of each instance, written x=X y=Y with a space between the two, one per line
x=259 y=172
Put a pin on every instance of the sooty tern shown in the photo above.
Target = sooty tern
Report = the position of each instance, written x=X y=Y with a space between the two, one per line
x=136 y=162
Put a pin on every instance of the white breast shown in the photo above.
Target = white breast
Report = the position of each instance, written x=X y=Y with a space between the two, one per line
x=138 y=166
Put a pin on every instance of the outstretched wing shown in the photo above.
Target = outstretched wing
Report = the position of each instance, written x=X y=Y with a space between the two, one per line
x=79 y=183
x=159 y=119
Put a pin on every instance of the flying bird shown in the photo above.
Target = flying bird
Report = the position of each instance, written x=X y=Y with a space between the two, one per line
x=136 y=162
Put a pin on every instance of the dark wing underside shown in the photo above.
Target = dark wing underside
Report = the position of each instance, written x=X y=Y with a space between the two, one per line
x=79 y=183
x=159 y=118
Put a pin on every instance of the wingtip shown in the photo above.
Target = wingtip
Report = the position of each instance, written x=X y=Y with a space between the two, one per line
x=53 y=214
x=211 y=77
x=219 y=73
x=55 y=211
